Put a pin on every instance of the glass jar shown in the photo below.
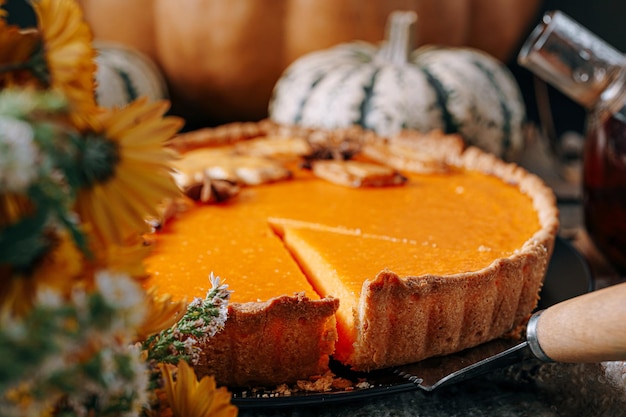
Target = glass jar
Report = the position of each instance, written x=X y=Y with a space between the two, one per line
x=592 y=73
x=604 y=187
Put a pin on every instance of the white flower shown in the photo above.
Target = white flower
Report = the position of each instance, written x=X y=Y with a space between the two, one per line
x=140 y=383
x=18 y=155
x=124 y=293
x=215 y=280
x=49 y=298
x=220 y=300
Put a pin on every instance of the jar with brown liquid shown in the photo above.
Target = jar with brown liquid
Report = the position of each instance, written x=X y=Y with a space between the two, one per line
x=592 y=73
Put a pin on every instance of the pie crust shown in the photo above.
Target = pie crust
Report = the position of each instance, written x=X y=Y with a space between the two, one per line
x=397 y=320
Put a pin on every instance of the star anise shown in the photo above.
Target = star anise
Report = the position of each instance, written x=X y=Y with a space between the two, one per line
x=213 y=190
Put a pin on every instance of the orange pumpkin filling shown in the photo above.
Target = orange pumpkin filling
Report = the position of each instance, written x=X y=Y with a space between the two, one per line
x=436 y=224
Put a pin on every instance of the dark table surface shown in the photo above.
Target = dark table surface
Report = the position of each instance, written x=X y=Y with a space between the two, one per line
x=533 y=389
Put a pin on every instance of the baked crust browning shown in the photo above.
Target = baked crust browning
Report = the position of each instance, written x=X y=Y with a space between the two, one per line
x=415 y=152
x=357 y=173
x=281 y=340
x=404 y=320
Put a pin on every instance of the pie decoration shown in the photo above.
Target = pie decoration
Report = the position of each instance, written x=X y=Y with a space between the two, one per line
x=403 y=248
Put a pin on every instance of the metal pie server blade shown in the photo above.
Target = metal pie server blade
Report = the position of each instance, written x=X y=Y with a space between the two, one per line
x=437 y=372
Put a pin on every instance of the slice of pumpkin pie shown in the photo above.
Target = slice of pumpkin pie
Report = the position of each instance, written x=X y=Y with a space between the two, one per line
x=372 y=273
x=396 y=308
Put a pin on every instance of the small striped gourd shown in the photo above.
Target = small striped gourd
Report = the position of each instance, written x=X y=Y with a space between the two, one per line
x=125 y=74
x=393 y=87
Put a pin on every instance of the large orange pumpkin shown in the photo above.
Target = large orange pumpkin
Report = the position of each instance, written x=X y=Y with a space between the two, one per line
x=222 y=58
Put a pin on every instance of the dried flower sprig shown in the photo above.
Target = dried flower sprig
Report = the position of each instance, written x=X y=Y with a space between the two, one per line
x=203 y=319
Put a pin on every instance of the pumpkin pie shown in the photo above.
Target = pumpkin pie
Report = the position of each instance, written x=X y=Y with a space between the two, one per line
x=397 y=250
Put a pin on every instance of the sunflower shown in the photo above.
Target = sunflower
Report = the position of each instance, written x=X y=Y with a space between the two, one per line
x=189 y=397
x=68 y=53
x=59 y=268
x=163 y=313
x=126 y=258
x=125 y=171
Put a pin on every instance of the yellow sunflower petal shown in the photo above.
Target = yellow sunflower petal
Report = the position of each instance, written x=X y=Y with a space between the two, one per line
x=16 y=295
x=127 y=259
x=98 y=220
x=69 y=53
x=62 y=266
x=221 y=404
x=155 y=188
x=141 y=124
x=163 y=313
x=202 y=405
x=168 y=383
x=186 y=384
x=118 y=207
x=13 y=207
x=189 y=397
x=130 y=213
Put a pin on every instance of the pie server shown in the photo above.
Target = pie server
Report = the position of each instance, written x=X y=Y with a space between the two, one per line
x=588 y=328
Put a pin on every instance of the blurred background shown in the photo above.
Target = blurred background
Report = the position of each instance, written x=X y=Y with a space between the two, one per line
x=603 y=17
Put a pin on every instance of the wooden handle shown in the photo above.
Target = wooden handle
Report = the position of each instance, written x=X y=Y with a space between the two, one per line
x=588 y=328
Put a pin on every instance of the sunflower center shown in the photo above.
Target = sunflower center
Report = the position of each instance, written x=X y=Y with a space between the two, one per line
x=99 y=160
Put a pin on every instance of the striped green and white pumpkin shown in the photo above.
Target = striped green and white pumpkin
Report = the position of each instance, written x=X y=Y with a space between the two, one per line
x=393 y=87
x=125 y=74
